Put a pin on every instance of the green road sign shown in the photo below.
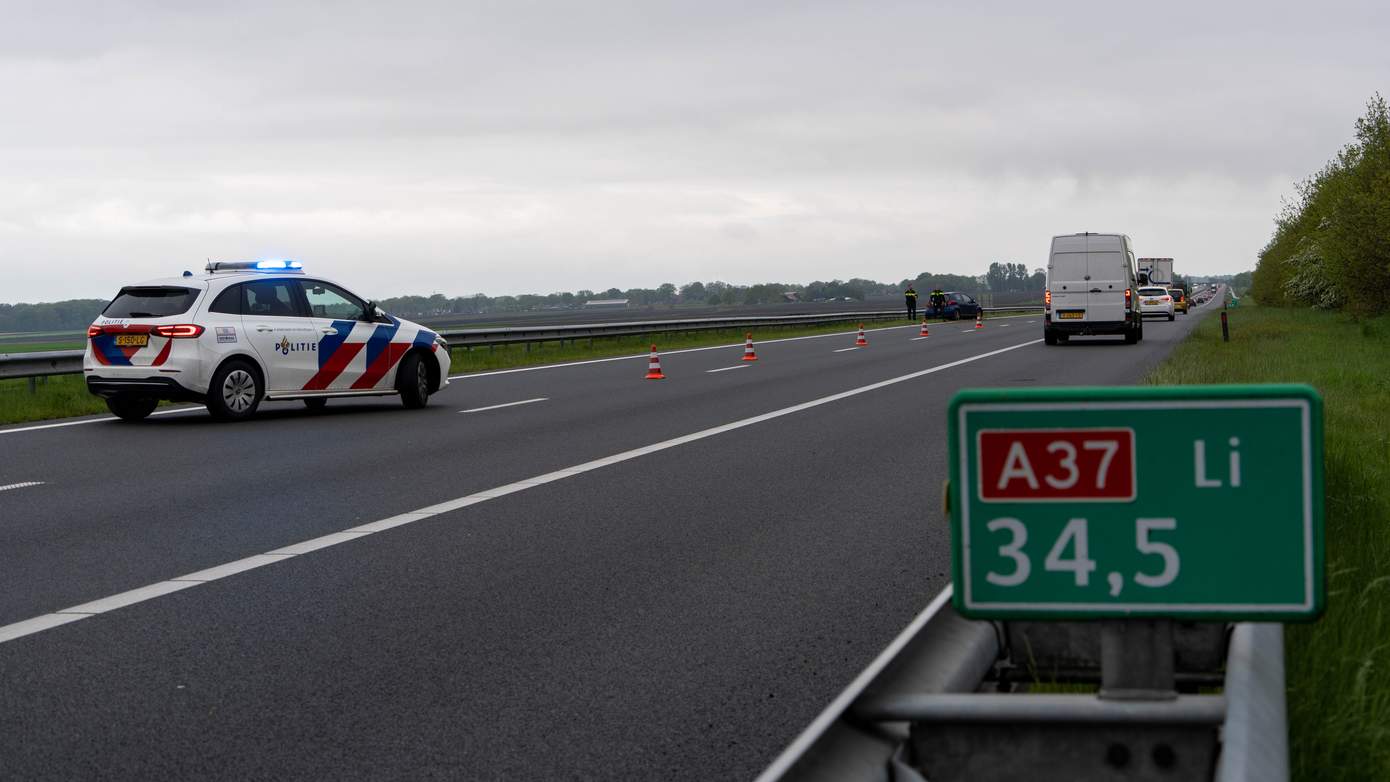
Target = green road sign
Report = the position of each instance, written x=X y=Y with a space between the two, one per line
x=1180 y=501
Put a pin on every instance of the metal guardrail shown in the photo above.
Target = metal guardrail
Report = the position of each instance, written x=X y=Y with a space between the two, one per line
x=947 y=700
x=69 y=362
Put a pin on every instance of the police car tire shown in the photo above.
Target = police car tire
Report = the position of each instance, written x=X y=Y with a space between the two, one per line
x=239 y=372
x=131 y=408
x=413 y=382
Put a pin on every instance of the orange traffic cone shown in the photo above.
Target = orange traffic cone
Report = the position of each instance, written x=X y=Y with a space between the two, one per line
x=748 y=354
x=924 y=329
x=859 y=341
x=654 y=367
x=979 y=324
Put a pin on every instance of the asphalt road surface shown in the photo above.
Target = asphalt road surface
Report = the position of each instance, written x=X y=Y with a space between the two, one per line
x=627 y=580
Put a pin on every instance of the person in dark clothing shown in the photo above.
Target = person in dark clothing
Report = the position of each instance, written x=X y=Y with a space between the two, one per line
x=911 y=296
x=938 y=302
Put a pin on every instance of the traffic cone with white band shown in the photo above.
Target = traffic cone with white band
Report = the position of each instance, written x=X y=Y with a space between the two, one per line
x=654 y=367
x=979 y=324
x=924 y=329
x=748 y=354
x=860 y=341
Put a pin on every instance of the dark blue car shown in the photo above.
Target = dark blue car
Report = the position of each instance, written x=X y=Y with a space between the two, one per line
x=958 y=305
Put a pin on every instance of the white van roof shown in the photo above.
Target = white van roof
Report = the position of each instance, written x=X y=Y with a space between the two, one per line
x=1088 y=242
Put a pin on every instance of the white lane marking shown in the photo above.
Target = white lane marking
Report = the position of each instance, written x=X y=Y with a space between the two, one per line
x=914 y=339
x=505 y=404
x=21 y=485
x=97 y=420
x=842 y=701
x=841 y=350
x=539 y=367
x=968 y=331
x=1005 y=325
x=726 y=369
x=40 y=623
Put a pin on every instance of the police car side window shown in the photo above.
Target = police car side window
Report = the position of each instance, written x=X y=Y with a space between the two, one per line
x=330 y=301
x=228 y=302
x=270 y=299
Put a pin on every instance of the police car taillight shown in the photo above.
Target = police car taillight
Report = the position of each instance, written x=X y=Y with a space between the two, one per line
x=179 y=330
x=93 y=331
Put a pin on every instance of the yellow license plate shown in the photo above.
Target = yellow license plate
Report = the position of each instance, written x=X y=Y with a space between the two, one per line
x=132 y=340
x=1070 y=315
x=1151 y=301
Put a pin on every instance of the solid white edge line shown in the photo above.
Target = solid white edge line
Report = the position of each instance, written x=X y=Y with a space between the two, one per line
x=818 y=726
x=110 y=603
x=725 y=369
x=96 y=420
x=505 y=404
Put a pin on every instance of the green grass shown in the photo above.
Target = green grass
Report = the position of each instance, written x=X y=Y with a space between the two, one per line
x=1338 y=668
x=59 y=396
x=35 y=347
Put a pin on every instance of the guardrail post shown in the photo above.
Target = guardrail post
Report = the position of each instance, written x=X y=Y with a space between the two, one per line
x=1225 y=330
x=1136 y=660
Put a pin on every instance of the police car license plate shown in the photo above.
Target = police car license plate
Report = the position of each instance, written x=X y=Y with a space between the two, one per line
x=132 y=340
x=1074 y=315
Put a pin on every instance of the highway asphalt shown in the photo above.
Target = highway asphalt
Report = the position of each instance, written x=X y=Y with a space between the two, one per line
x=679 y=612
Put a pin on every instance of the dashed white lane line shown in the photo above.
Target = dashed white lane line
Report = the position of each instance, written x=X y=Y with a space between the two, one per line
x=914 y=339
x=967 y=331
x=505 y=404
x=725 y=369
x=43 y=622
x=539 y=367
x=21 y=485
x=842 y=350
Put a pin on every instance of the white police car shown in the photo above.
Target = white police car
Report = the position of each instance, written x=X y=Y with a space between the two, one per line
x=247 y=331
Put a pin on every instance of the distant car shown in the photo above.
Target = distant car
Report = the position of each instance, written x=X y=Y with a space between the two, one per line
x=1155 y=300
x=958 y=305
x=1179 y=299
x=248 y=331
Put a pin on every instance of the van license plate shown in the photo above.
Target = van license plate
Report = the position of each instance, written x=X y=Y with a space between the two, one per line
x=132 y=340
x=1070 y=315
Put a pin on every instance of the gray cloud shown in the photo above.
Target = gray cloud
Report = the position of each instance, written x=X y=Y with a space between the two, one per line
x=511 y=147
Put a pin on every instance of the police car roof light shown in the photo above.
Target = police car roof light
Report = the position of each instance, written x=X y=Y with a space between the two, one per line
x=269 y=265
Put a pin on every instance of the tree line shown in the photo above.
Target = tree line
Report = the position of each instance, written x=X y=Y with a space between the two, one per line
x=1331 y=242
x=75 y=314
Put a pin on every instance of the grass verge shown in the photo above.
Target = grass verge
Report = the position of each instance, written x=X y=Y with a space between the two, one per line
x=1338 y=668
x=66 y=395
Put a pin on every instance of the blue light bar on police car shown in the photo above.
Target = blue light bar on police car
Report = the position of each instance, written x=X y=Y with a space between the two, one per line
x=268 y=265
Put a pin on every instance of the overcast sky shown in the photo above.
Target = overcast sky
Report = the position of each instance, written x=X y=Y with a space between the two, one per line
x=515 y=147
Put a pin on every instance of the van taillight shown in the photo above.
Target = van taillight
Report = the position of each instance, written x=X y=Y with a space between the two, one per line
x=1047 y=299
x=179 y=330
x=1129 y=299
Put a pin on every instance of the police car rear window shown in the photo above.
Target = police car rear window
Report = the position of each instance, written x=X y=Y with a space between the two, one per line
x=150 y=302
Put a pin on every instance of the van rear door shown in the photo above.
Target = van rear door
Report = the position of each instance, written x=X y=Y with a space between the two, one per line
x=1066 y=277
x=1106 y=266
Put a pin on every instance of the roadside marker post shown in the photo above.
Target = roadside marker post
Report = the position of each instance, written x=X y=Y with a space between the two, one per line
x=1225 y=330
x=1127 y=511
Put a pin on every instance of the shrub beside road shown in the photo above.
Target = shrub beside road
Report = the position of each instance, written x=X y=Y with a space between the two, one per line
x=1338 y=669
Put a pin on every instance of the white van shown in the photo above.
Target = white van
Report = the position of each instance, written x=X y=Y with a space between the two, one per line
x=1090 y=288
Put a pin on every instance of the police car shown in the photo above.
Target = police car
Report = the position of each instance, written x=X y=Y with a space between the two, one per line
x=247 y=331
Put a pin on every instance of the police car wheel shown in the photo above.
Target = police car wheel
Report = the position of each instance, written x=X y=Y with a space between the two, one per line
x=414 y=382
x=316 y=403
x=235 y=392
x=131 y=408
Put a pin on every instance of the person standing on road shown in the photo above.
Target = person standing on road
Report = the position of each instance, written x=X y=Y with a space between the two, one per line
x=911 y=295
x=938 y=303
